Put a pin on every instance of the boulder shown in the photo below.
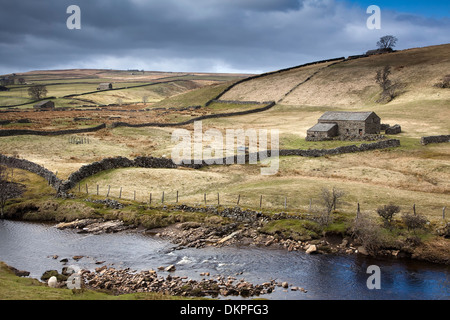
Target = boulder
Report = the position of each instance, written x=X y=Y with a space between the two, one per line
x=170 y=268
x=231 y=236
x=311 y=249
x=19 y=273
x=344 y=243
x=362 y=251
x=396 y=129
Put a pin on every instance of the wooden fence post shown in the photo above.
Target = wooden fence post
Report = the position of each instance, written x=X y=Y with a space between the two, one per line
x=134 y=196
x=97 y=189
x=204 y=196
x=162 y=199
x=285 y=203
x=109 y=188
x=177 y=196
x=87 y=190
x=218 y=199
x=260 y=202
x=414 y=209
x=443 y=213
x=358 y=211
x=150 y=199
x=120 y=194
x=239 y=198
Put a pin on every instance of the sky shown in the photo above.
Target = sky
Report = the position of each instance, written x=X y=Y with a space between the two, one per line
x=233 y=36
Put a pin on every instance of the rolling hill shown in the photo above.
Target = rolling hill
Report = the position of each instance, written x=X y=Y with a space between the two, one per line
x=351 y=83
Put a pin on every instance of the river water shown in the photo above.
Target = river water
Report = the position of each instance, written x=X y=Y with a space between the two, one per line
x=30 y=246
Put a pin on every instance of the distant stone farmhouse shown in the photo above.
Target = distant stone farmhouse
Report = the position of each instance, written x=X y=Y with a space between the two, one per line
x=105 y=86
x=45 y=105
x=379 y=51
x=347 y=124
x=5 y=81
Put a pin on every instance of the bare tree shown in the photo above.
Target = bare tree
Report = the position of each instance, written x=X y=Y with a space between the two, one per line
x=390 y=90
x=387 y=42
x=37 y=92
x=382 y=78
x=330 y=200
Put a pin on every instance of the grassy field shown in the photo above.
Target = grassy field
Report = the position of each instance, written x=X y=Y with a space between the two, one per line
x=61 y=83
x=411 y=174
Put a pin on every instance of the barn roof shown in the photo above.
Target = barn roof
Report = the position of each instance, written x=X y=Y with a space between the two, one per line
x=323 y=127
x=345 y=116
x=42 y=103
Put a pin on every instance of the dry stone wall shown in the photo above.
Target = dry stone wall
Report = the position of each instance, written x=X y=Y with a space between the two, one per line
x=435 y=139
x=150 y=162
x=31 y=167
x=209 y=116
x=19 y=132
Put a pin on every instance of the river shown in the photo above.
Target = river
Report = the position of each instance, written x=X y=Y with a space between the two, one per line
x=30 y=246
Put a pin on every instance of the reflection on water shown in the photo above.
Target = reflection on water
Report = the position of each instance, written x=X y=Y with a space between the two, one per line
x=30 y=247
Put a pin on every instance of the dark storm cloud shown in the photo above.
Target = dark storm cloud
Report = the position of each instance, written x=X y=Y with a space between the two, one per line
x=195 y=35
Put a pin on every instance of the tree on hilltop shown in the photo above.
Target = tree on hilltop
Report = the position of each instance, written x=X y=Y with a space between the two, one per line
x=387 y=42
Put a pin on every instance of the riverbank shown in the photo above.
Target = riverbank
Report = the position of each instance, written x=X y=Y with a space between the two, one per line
x=14 y=285
x=39 y=247
x=200 y=226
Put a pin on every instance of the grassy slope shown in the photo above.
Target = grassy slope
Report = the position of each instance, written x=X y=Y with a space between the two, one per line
x=271 y=87
x=351 y=84
x=410 y=174
x=66 y=82
x=407 y=175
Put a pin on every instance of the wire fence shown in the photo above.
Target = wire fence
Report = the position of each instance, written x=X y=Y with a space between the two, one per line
x=250 y=200
x=210 y=198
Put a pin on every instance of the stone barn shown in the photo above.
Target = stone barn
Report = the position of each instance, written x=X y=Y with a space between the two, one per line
x=105 y=86
x=45 y=105
x=323 y=131
x=347 y=124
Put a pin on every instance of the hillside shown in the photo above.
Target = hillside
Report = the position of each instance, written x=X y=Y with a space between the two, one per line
x=411 y=174
x=351 y=83
x=78 y=87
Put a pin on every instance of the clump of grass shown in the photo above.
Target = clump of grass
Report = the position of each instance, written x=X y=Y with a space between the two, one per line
x=300 y=230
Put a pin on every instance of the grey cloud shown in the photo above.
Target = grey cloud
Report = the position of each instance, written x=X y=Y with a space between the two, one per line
x=251 y=35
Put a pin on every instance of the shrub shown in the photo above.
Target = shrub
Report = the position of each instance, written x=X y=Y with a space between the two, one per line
x=445 y=83
x=368 y=233
x=388 y=212
x=414 y=221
